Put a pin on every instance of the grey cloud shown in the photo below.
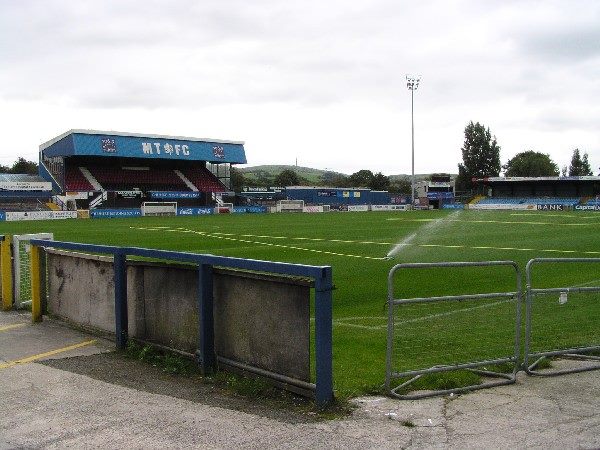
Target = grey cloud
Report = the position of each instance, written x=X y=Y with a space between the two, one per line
x=560 y=46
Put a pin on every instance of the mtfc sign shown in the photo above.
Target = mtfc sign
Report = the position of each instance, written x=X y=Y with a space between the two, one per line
x=151 y=148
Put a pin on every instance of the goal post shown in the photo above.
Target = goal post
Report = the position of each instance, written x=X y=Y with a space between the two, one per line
x=290 y=205
x=22 y=266
x=224 y=208
x=159 y=208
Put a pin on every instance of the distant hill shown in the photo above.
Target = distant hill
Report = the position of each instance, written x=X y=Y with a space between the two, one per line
x=259 y=174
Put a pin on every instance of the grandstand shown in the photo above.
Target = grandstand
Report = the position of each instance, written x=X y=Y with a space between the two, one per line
x=107 y=169
x=536 y=192
x=24 y=193
x=566 y=201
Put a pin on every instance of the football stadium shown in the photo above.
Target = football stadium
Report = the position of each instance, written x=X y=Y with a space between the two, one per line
x=321 y=290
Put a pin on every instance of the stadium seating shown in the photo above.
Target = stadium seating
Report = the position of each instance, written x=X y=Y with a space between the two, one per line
x=203 y=179
x=75 y=181
x=23 y=205
x=146 y=179
x=567 y=201
x=150 y=179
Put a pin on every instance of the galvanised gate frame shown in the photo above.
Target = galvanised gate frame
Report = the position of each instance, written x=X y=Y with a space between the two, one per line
x=578 y=352
x=470 y=365
x=322 y=276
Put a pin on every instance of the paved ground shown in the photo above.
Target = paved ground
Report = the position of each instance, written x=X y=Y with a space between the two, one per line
x=61 y=388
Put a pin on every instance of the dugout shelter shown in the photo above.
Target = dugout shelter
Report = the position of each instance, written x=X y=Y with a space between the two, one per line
x=96 y=169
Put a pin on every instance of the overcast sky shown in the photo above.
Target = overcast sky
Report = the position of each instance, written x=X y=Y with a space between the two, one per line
x=319 y=81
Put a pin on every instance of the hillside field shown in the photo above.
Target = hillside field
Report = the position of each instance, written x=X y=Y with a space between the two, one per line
x=356 y=246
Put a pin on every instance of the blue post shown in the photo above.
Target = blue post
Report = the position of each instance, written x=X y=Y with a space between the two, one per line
x=205 y=355
x=121 y=319
x=323 y=338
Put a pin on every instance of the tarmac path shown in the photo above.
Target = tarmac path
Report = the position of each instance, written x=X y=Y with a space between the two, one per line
x=62 y=388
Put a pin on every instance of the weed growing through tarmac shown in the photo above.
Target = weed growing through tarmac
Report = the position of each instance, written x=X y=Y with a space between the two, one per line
x=232 y=384
x=168 y=362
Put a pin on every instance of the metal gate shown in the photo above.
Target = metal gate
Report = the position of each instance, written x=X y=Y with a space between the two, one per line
x=460 y=362
x=568 y=313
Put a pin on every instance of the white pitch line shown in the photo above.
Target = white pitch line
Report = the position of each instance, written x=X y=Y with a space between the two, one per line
x=343 y=321
x=578 y=216
x=268 y=244
x=296 y=238
x=465 y=247
x=339 y=322
x=506 y=222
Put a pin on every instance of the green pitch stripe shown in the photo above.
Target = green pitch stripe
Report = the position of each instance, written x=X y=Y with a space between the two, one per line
x=506 y=222
x=237 y=238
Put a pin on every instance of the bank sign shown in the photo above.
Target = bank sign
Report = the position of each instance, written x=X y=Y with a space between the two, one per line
x=550 y=207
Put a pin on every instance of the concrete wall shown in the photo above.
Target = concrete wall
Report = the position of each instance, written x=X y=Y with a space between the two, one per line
x=263 y=321
x=260 y=320
x=81 y=289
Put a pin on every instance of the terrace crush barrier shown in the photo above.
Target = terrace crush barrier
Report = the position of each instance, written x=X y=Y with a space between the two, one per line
x=563 y=312
x=207 y=267
x=476 y=366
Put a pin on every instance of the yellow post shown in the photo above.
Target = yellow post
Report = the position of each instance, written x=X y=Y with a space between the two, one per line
x=36 y=285
x=6 y=272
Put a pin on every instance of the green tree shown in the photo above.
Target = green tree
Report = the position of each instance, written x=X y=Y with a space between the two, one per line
x=238 y=181
x=439 y=175
x=287 y=177
x=481 y=155
x=380 y=182
x=21 y=165
x=531 y=164
x=401 y=186
x=340 y=180
x=362 y=178
x=328 y=178
x=580 y=166
x=263 y=178
x=4 y=169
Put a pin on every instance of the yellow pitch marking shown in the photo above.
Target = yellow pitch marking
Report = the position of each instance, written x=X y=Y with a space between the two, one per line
x=11 y=327
x=46 y=354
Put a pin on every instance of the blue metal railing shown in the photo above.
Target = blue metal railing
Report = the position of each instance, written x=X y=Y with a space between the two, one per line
x=323 y=284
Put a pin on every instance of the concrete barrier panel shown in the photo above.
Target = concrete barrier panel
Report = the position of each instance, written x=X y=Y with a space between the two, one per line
x=81 y=289
x=170 y=306
x=260 y=320
x=263 y=321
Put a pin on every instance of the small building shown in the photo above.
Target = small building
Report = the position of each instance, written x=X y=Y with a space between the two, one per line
x=435 y=192
x=315 y=195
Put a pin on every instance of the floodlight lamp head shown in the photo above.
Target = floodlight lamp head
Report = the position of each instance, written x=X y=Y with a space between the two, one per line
x=412 y=83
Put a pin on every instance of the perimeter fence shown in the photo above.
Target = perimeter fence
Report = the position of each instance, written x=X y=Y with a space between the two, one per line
x=476 y=337
x=562 y=320
x=231 y=311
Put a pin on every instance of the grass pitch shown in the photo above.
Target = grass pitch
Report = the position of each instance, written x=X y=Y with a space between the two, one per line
x=356 y=246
